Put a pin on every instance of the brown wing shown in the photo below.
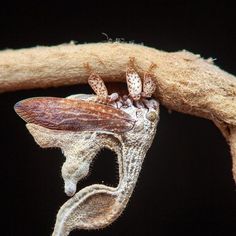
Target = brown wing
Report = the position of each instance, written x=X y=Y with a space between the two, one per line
x=73 y=115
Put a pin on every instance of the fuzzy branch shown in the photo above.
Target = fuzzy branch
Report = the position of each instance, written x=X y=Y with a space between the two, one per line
x=186 y=82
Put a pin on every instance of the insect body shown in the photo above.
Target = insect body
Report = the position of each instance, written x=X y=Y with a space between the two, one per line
x=75 y=114
x=82 y=125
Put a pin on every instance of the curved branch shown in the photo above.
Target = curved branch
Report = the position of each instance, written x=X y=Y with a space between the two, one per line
x=186 y=82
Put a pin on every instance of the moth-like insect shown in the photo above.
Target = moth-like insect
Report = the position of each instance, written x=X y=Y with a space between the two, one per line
x=81 y=125
x=76 y=114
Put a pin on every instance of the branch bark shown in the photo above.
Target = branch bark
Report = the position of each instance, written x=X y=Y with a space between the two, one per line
x=186 y=82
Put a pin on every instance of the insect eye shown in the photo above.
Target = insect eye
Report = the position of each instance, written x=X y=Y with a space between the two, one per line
x=151 y=115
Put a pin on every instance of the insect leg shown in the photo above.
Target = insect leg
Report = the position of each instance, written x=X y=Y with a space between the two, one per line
x=113 y=97
x=134 y=84
x=149 y=85
x=150 y=104
x=98 y=86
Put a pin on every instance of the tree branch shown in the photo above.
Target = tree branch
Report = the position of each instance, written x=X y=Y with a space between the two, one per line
x=186 y=82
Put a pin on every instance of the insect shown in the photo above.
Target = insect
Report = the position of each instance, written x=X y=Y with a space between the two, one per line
x=82 y=125
x=77 y=114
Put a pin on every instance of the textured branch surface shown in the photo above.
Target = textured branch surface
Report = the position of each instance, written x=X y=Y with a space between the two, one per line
x=186 y=82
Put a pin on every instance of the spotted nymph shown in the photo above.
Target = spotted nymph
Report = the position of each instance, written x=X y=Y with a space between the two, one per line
x=81 y=125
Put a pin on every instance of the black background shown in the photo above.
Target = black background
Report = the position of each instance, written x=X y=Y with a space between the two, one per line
x=186 y=185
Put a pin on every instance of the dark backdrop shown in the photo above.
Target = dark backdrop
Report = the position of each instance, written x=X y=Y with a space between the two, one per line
x=186 y=186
